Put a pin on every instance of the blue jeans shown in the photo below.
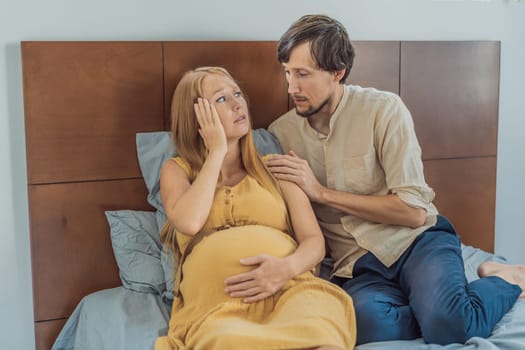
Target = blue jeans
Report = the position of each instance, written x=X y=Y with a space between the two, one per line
x=426 y=294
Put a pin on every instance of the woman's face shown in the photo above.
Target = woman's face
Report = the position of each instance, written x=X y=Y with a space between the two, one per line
x=229 y=102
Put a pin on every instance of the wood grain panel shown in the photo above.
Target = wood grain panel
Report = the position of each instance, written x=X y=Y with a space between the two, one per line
x=46 y=333
x=466 y=194
x=376 y=65
x=84 y=102
x=452 y=90
x=70 y=241
x=253 y=64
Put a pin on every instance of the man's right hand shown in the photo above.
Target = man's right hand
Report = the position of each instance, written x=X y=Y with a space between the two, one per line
x=289 y=167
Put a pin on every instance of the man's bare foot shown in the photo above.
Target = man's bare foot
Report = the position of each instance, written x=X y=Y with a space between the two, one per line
x=514 y=274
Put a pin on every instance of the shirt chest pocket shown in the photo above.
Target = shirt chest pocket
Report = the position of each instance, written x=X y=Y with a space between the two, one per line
x=363 y=174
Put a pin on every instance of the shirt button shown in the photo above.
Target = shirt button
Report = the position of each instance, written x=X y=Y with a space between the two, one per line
x=227 y=191
x=226 y=202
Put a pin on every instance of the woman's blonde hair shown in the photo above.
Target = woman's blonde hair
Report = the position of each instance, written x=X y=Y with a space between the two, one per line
x=190 y=145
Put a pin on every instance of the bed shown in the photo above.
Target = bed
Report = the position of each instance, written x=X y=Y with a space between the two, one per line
x=96 y=119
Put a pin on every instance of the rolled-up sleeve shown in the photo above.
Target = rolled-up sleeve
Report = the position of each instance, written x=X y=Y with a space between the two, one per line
x=415 y=196
x=400 y=155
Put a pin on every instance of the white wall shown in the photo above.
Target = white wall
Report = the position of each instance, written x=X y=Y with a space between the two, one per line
x=233 y=20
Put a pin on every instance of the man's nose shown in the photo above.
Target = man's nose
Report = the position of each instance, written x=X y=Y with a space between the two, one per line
x=292 y=86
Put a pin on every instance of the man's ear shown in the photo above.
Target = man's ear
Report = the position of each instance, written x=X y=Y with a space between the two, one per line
x=339 y=74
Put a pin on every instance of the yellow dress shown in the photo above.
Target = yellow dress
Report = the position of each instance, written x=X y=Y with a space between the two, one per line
x=307 y=312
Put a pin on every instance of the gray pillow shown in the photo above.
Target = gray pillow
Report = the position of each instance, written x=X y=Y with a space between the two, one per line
x=137 y=248
x=167 y=261
x=266 y=142
x=153 y=149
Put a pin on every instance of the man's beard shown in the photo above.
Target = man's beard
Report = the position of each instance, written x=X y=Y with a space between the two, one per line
x=311 y=110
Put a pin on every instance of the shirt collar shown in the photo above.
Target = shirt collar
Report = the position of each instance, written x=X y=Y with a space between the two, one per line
x=338 y=111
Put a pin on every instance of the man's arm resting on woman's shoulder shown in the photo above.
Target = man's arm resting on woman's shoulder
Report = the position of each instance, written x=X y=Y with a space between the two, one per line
x=387 y=209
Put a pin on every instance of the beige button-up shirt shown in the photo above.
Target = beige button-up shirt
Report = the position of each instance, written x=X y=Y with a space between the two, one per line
x=371 y=149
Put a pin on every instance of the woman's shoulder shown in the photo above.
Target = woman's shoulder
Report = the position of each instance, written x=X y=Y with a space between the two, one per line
x=181 y=162
x=268 y=156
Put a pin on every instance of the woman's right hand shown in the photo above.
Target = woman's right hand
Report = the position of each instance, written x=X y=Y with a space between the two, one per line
x=211 y=129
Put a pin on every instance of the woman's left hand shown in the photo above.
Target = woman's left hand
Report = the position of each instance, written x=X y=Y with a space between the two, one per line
x=263 y=281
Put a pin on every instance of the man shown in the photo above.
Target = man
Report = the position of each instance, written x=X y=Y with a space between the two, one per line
x=354 y=152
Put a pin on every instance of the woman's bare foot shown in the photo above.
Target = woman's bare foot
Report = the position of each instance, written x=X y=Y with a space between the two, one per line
x=514 y=274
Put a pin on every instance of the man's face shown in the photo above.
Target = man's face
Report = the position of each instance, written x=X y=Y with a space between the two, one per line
x=311 y=88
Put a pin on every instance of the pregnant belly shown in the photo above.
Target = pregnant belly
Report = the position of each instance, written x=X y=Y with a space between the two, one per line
x=217 y=257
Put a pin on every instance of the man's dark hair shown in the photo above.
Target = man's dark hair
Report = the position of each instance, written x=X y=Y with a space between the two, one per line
x=329 y=43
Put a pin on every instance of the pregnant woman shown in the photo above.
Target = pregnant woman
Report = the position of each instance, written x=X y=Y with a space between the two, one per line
x=246 y=243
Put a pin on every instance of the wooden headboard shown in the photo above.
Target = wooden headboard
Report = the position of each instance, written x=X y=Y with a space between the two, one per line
x=85 y=101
